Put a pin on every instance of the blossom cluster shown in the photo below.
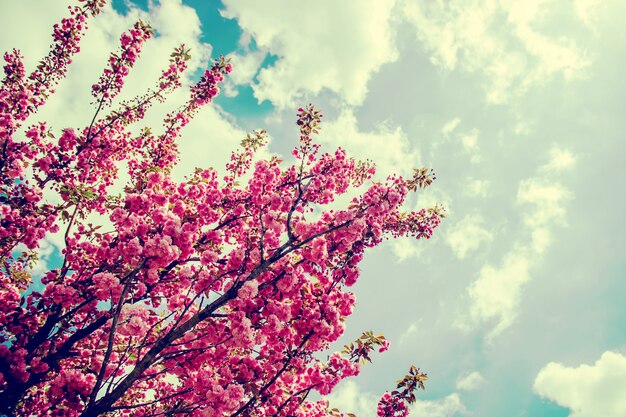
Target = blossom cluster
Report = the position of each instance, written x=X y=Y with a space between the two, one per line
x=206 y=297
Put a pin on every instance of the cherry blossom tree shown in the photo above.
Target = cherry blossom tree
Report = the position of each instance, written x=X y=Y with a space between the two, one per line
x=208 y=297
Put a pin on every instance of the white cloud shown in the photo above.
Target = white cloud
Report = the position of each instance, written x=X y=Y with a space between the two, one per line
x=560 y=160
x=467 y=235
x=470 y=141
x=433 y=196
x=502 y=39
x=587 y=390
x=495 y=295
x=477 y=188
x=450 y=126
x=388 y=146
x=547 y=196
x=448 y=406
x=548 y=199
x=327 y=44
x=409 y=333
x=348 y=398
x=522 y=127
x=207 y=141
x=245 y=66
x=406 y=248
x=470 y=382
x=470 y=144
x=587 y=11
x=34 y=43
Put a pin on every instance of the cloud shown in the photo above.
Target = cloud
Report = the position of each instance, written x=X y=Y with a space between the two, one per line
x=405 y=248
x=477 y=188
x=470 y=382
x=388 y=146
x=450 y=126
x=349 y=398
x=560 y=160
x=467 y=235
x=549 y=201
x=245 y=66
x=587 y=390
x=35 y=44
x=507 y=42
x=587 y=11
x=207 y=141
x=495 y=295
x=409 y=333
x=468 y=139
x=470 y=145
x=315 y=48
x=448 y=406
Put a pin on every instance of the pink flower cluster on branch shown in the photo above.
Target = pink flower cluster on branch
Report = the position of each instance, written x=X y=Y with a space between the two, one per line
x=206 y=297
x=395 y=403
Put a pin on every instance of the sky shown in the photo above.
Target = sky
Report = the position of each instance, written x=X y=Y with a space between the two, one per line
x=516 y=306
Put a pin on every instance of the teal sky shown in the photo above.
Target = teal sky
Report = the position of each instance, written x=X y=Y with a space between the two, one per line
x=515 y=307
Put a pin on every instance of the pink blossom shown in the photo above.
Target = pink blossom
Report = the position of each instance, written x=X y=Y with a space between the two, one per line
x=106 y=286
x=218 y=292
x=248 y=290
